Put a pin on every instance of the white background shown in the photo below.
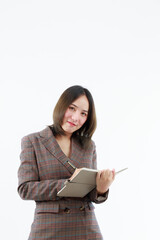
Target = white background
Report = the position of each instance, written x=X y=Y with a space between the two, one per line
x=113 y=49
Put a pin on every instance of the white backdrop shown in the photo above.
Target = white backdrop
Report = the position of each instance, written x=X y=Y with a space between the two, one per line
x=112 y=48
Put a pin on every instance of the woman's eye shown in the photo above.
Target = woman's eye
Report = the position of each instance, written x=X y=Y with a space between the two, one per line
x=71 y=108
x=84 y=114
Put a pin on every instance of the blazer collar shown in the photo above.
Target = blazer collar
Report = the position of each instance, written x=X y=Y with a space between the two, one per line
x=50 y=143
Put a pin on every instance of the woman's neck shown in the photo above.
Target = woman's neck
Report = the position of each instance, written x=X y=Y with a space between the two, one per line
x=64 y=137
x=65 y=144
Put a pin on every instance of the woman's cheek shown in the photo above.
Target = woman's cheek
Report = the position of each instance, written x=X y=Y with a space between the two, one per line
x=83 y=121
x=67 y=114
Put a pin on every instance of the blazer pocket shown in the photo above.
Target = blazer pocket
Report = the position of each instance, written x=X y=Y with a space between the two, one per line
x=47 y=208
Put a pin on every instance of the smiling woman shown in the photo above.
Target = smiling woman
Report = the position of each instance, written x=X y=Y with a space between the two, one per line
x=56 y=154
x=78 y=101
x=76 y=115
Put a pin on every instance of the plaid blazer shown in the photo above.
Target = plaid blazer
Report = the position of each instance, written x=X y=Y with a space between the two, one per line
x=42 y=173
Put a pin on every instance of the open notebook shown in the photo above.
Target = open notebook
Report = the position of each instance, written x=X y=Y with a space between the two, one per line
x=80 y=185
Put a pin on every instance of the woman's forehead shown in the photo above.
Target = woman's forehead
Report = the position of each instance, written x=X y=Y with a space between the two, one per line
x=81 y=103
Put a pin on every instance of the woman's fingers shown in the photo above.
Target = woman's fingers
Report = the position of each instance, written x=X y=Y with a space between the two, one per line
x=104 y=180
x=75 y=173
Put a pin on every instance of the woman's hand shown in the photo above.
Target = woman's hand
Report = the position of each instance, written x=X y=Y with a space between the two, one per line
x=104 y=179
x=75 y=173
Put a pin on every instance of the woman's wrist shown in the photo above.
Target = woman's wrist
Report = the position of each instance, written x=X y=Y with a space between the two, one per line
x=100 y=193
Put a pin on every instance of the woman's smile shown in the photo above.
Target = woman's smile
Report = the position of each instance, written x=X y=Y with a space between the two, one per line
x=71 y=123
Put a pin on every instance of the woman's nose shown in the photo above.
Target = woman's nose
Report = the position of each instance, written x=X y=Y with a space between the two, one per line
x=75 y=116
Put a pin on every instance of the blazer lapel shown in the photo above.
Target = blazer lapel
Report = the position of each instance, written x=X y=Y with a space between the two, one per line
x=50 y=143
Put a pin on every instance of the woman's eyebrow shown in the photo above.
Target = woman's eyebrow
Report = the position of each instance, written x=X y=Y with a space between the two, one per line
x=78 y=107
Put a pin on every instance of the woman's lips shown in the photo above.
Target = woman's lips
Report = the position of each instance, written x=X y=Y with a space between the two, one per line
x=72 y=124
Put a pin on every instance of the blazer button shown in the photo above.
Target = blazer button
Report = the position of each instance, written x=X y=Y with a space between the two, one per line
x=67 y=210
x=82 y=208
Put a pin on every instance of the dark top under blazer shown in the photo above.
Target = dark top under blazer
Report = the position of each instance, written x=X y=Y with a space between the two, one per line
x=42 y=173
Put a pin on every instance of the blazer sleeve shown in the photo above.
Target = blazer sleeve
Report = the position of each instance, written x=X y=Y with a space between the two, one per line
x=93 y=195
x=29 y=185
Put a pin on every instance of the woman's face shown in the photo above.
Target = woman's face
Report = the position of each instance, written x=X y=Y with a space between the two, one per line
x=76 y=115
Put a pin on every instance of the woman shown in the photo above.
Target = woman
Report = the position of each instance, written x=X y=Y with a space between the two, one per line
x=47 y=161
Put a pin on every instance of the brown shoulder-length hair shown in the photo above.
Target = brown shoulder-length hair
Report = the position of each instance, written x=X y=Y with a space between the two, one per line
x=84 y=134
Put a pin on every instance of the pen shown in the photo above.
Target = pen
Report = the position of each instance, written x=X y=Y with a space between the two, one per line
x=75 y=167
x=71 y=164
x=121 y=170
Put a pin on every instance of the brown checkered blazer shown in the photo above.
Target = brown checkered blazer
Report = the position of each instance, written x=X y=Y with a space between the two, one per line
x=42 y=173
